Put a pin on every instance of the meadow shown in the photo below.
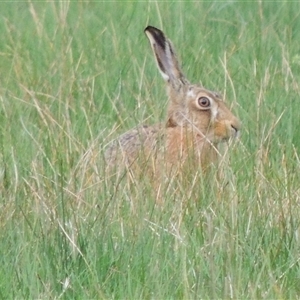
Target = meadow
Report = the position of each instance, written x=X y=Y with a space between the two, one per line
x=76 y=74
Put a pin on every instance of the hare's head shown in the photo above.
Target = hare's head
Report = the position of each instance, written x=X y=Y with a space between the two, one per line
x=191 y=106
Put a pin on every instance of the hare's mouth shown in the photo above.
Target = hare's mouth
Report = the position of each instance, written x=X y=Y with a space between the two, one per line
x=222 y=139
x=232 y=133
x=211 y=138
x=237 y=134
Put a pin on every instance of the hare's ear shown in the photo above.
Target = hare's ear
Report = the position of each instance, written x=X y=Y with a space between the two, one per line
x=165 y=56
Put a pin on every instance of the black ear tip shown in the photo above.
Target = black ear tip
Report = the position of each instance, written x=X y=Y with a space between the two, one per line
x=153 y=30
x=157 y=35
x=148 y=28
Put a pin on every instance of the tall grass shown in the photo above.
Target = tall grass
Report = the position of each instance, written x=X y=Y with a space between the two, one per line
x=76 y=74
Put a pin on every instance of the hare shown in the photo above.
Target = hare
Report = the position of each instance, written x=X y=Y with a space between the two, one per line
x=197 y=121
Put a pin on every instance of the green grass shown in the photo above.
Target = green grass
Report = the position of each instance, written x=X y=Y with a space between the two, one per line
x=73 y=76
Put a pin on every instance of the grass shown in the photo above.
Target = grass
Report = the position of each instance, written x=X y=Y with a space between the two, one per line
x=76 y=74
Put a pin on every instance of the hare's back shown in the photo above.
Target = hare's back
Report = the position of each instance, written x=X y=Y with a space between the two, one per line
x=126 y=148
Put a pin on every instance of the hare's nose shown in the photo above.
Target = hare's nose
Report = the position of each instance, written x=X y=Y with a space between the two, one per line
x=236 y=126
x=235 y=132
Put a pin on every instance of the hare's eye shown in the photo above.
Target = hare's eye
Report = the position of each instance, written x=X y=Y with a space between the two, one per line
x=204 y=102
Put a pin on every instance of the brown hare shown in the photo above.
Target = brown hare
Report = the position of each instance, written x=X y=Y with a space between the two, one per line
x=197 y=121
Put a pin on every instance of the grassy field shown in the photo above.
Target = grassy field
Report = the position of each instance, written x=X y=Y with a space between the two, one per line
x=74 y=75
